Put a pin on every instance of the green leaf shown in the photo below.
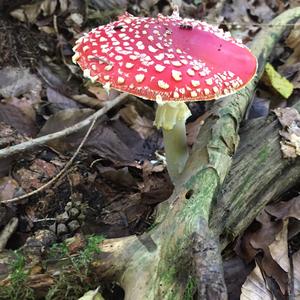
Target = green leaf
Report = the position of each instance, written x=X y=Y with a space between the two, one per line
x=277 y=82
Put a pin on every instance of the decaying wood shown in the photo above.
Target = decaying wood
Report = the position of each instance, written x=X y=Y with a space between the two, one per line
x=208 y=268
x=259 y=174
x=156 y=265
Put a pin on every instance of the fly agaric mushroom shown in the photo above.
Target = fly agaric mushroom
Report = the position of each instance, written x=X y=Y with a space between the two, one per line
x=169 y=60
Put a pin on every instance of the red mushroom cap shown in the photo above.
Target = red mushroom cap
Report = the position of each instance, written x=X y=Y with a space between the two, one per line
x=166 y=58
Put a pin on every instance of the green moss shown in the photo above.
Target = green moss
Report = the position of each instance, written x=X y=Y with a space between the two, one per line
x=263 y=154
x=190 y=289
x=18 y=279
x=72 y=282
x=198 y=205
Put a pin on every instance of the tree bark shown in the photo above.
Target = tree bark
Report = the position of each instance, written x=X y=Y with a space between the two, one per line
x=157 y=264
x=259 y=174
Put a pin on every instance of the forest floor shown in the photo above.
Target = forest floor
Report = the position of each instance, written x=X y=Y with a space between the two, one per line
x=118 y=177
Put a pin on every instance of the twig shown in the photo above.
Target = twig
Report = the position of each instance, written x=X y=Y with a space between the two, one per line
x=8 y=230
x=41 y=188
x=9 y=151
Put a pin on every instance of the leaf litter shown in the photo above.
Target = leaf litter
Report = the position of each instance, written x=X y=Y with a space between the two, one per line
x=266 y=242
x=123 y=147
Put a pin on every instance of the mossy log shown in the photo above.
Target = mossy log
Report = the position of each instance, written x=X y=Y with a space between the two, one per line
x=157 y=264
x=259 y=174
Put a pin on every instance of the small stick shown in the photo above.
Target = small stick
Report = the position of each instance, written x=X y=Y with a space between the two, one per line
x=9 y=151
x=68 y=164
x=8 y=230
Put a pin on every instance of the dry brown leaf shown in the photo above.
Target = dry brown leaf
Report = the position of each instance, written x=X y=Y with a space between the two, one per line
x=88 y=101
x=16 y=82
x=293 y=41
x=16 y=118
x=256 y=286
x=285 y=209
x=8 y=188
x=139 y=123
x=30 y=12
x=62 y=120
x=59 y=101
x=289 y=118
x=120 y=177
x=33 y=176
x=101 y=94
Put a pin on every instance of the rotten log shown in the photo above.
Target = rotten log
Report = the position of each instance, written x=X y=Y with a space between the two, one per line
x=259 y=174
x=157 y=264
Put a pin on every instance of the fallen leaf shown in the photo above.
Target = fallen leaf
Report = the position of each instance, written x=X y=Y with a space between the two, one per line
x=101 y=94
x=115 y=141
x=293 y=41
x=27 y=12
x=156 y=185
x=289 y=118
x=139 y=123
x=8 y=188
x=274 y=80
x=88 y=101
x=62 y=120
x=16 y=118
x=30 y=12
x=258 y=285
x=35 y=175
x=8 y=137
x=16 y=82
x=59 y=101
x=120 y=176
x=285 y=209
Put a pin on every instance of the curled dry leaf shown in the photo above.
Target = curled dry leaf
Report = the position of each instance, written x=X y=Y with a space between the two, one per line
x=289 y=118
x=293 y=41
x=256 y=286
x=268 y=245
x=285 y=209
x=30 y=12
x=141 y=124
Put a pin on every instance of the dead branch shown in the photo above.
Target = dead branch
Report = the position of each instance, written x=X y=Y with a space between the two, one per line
x=57 y=176
x=259 y=174
x=9 y=151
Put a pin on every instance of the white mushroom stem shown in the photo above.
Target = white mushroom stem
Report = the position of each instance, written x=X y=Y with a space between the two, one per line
x=171 y=117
